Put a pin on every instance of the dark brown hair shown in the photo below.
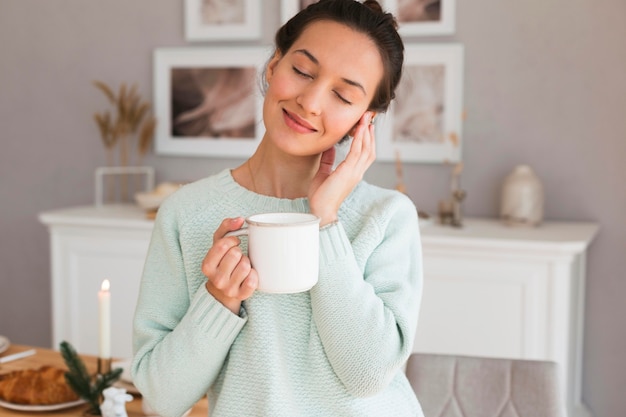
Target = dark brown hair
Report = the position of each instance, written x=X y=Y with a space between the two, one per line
x=367 y=18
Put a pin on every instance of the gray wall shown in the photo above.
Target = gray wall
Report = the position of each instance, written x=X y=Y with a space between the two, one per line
x=545 y=84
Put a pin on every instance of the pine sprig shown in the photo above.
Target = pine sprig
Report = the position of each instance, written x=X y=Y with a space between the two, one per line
x=85 y=386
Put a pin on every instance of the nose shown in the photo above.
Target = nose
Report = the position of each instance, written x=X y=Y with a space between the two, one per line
x=311 y=99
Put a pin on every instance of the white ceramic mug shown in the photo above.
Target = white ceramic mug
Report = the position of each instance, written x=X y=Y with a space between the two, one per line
x=284 y=250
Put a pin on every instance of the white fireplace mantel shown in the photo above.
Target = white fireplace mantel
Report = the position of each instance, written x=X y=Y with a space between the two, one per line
x=499 y=291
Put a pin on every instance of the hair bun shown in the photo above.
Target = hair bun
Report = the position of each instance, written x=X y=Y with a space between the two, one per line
x=373 y=5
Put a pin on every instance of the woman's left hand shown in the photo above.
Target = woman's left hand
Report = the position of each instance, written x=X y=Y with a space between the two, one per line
x=330 y=188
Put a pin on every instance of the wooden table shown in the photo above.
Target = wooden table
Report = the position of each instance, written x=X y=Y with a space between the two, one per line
x=52 y=357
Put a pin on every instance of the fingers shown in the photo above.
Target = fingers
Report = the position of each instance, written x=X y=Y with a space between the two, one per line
x=221 y=245
x=234 y=276
x=363 y=148
x=229 y=272
x=228 y=225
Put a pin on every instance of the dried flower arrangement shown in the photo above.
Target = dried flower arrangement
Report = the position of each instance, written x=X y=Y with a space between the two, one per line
x=131 y=112
x=128 y=120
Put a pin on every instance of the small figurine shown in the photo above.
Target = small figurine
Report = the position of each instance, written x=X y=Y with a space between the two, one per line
x=457 y=215
x=450 y=210
x=114 y=404
x=458 y=195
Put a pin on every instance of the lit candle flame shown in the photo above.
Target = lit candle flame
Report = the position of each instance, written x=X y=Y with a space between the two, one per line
x=105 y=285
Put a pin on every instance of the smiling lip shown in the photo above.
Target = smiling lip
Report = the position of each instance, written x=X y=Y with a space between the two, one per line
x=297 y=123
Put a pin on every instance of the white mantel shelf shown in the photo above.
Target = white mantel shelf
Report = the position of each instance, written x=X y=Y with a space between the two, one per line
x=126 y=216
x=576 y=235
x=489 y=289
x=566 y=237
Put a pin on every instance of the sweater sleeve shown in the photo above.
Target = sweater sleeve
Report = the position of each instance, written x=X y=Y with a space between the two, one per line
x=181 y=338
x=366 y=318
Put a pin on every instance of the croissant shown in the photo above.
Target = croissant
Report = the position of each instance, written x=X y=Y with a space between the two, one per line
x=43 y=386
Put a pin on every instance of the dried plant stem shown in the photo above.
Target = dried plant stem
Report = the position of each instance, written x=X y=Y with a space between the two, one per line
x=110 y=184
x=128 y=121
x=124 y=163
x=400 y=186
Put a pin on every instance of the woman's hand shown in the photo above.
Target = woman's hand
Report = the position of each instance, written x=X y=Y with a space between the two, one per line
x=231 y=278
x=329 y=188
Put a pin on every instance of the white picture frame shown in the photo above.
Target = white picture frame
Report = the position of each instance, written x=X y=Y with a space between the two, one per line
x=424 y=122
x=208 y=101
x=414 y=19
x=215 y=20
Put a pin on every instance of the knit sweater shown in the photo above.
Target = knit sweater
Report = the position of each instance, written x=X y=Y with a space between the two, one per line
x=335 y=350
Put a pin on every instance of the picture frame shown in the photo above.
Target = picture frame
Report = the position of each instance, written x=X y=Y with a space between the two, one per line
x=288 y=8
x=424 y=122
x=211 y=20
x=208 y=101
x=423 y=17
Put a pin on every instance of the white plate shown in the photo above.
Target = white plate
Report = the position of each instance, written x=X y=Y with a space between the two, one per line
x=50 y=407
x=4 y=343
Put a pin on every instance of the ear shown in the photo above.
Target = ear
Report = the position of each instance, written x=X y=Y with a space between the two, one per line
x=271 y=65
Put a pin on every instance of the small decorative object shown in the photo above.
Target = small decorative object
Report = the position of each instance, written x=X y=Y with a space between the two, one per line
x=103 y=173
x=104 y=327
x=458 y=195
x=521 y=201
x=128 y=121
x=450 y=210
x=457 y=216
x=150 y=201
x=114 y=404
x=88 y=387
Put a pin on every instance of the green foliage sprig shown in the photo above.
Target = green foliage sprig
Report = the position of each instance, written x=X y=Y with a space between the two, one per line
x=86 y=386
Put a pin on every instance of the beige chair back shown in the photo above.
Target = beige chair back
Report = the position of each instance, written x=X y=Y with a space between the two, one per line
x=462 y=386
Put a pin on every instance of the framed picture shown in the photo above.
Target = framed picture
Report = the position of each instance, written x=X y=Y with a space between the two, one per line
x=208 y=20
x=424 y=122
x=208 y=101
x=288 y=8
x=423 y=17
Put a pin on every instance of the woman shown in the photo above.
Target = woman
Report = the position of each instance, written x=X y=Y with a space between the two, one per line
x=338 y=349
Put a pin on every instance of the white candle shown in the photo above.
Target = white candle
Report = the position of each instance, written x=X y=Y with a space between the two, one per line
x=104 y=311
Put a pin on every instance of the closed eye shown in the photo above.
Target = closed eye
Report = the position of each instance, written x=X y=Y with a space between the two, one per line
x=300 y=73
x=305 y=75
x=340 y=97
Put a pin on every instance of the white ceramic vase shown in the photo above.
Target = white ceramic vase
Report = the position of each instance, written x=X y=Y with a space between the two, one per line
x=521 y=202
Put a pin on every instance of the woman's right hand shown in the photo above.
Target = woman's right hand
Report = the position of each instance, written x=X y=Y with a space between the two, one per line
x=231 y=278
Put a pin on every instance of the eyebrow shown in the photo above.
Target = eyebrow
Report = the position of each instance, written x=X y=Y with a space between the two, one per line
x=316 y=62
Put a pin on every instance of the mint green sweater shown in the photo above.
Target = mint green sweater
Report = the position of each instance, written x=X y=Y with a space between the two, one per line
x=336 y=350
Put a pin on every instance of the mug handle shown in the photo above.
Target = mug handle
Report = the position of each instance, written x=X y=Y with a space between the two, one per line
x=240 y=232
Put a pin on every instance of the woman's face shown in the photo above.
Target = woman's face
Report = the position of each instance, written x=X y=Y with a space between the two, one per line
x=320 y=88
